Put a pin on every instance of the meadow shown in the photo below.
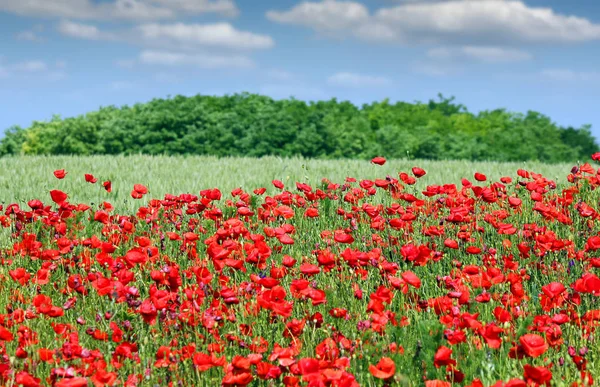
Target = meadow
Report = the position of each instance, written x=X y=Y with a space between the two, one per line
x=188 y=271
x=27 y=177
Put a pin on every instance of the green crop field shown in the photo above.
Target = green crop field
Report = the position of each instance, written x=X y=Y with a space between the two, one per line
x=27 y=177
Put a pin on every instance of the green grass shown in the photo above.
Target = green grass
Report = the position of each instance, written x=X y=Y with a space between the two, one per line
x=25 y=178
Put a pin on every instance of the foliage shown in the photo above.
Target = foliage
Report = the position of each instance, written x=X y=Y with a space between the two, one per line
x=254 y=125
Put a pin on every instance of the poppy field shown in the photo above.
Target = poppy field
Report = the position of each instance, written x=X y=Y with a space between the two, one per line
x=403 y=273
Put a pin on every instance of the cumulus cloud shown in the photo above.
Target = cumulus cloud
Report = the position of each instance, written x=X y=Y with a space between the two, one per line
x=32 y=34
x=207 y=61
x=223 y=7
x=348 y=79
x=83 y=31
x=31 y=66
x=326 y=16
x=32 y=69
x=174 y=36
x=481 y=54
x=117 y=9
x=222 y=35
x=468 y=22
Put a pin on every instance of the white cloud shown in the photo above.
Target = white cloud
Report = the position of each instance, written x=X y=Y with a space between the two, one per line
x=31 y=66
x=216 y=35
x=223 y=7
x=566 y=75
x=32 y=69
x=348 y=79
x=480 y=53
x=117 y=9
x=32 y=34
x=56 y=76
x=491 y=20
x=28 y=35
x=329 y=15
x=82 y=31
x=469 y=22
x=167 y=58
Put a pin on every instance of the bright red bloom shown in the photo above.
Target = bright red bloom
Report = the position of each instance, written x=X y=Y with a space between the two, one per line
x=342 y=237
x=411 y=279
x=139 y=191
x=418 y=172
x=72 y=382
x=480 y=176
x=378 y=160
x=278 y=184
x=443 y=357
x=90 y=178
x=537 y=375
x=58 y=196
x=5 y=334
x=451 y=244
x=533 y=345
x=24 y=379
x=437 y=383
x=385 y=369
x=60 y=173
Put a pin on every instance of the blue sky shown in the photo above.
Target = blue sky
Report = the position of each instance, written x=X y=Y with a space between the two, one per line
x=68 y=57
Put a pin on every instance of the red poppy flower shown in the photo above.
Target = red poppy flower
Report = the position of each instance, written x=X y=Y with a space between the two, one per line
x=443 y=357
x=25 y=379
x=411 y=279
x=437 y=383
x=60 y=173
x=537 y=375
x=5 y=334
x=533 y=345
x=451 y=244
x=309 y=269
x=418 y=172
x=385 y=369
x=342 y=237
x=138 y=191
x=378 y=160
x=90 y=178
x=480 y=176
x=58 y=196
x=72 y=382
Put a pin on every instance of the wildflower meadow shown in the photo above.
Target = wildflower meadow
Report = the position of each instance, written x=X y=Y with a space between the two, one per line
x=150 y=271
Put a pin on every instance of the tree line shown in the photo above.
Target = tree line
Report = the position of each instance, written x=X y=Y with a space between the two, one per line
x=255 y=125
